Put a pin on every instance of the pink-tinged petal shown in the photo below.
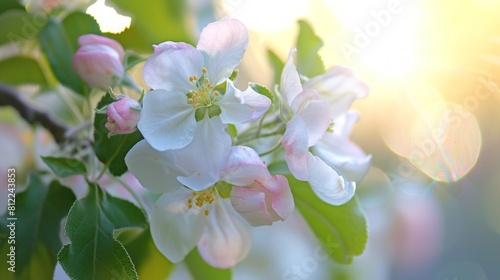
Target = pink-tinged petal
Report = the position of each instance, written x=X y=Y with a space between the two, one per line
x=203 y=159
x=264 y=202
x=155 y=170
x=241 y=107
x=223 y=44
x=92 y=39
x=167 y=120
x=251 y=205
x=340 y=86
x=243 y=167
x=290 y=84
x=315 y=113
x=97 y=65
x=344 y=154
x=171 y=65
x=295 y=142
x=327 y=184
x=282 y=199
x=175 y=228
x=123 y=116
x=227 y=239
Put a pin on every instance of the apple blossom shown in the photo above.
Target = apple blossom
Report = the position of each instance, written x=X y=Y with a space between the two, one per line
x=310 y=118
x=98 y=60
x=123 y=116
x=190 y=84
x=183 y=218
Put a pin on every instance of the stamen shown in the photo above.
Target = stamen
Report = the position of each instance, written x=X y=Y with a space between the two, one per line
x=206 y=212
x=204 y=70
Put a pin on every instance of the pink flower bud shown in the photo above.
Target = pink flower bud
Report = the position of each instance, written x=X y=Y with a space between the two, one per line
x=123 y=116
x=264 y=202
x=98 y=59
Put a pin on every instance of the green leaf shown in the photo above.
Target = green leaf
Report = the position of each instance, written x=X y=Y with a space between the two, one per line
x=18 y=25
x=77 y=24
x=21 y=70
x=234 y=75
x=309 y=62
x=94 y=253
x=262 y=90
x=200 y=270
x=59 y=51
x=39 y=211
x=10 y=5
x=277 y=65
x=149 y=262
x=341 y=229
x=64 y=167
x=148 y=20
x=112 y=150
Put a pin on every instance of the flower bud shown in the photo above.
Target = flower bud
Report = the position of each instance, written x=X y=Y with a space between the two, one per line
x=264 y=202
x=98 y=60
x=123 y=116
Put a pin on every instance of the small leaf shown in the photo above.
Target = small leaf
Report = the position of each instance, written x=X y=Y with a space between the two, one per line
x=232 y=130
x=149 y=262
x=59 y=51
x=234 y=75
x=21 y=70
x=18 y=25
x=64 y=167
x=200 y=270
x=262 y=90
x=309 y=62
x=77 y=24
x=94 y=253
x=112 y=150
x=39 y=211
x=277 y=65
x=341 y=229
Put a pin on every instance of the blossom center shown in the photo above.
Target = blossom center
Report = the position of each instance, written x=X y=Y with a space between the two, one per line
x=200 y=199
x=204 y=95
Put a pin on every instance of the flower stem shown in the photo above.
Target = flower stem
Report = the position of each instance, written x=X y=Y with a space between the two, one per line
x=131 y=191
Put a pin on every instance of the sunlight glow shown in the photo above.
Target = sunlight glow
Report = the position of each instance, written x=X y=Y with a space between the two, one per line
x=381 y=34
x=108 y=19
x=264 y=15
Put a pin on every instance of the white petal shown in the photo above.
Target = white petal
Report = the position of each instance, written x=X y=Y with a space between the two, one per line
x=241 y=107
x=227 y=239
x=342 y=153
x=295 y=143
x=175 y=228
x=171 y=65
x=290 y=84
x=251 y=205
x=167 y=120
x=155 y=170
x=340 y=86
x=327 y=184
x=223 y=44
x=344 y=123
x=243 y=167
x=315 y=113
x=203 y=159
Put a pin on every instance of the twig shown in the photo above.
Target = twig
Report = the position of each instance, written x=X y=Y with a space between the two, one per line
x=32 y=114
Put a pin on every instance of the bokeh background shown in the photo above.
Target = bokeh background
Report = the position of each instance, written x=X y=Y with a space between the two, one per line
x=431 y=123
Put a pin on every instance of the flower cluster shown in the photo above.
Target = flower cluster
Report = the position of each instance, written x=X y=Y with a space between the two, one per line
x=215 y=185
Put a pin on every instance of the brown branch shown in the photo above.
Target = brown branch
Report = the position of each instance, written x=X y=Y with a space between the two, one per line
x=32 y=114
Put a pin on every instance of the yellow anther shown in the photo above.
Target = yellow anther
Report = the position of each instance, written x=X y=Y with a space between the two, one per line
x=155 y=158
x=206 y=81
x=204 y=70
x=206 y=212
x=216 y=93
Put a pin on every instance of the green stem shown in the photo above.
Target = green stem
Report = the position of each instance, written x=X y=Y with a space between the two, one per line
x=274 y=149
